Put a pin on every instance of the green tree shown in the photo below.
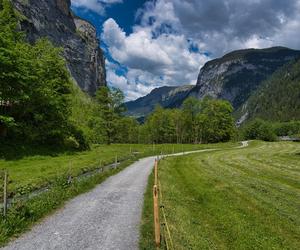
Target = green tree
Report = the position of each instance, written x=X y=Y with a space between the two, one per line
x=191 y=109
x=201 y=121
x=34 y=85
x=104 y=101
x=178 y=120
x=117 y=101
x=259 y=129
x=127 y=129
x=215 y=121
x=111 y=107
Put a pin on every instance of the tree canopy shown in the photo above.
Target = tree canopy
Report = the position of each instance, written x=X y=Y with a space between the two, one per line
x=199 y=121
x=34 y=85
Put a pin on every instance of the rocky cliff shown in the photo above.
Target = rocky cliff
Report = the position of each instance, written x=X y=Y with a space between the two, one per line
x=236 y=75
x=53 y=19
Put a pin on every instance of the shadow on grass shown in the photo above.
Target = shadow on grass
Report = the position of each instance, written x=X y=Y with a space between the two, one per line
x=16 y=150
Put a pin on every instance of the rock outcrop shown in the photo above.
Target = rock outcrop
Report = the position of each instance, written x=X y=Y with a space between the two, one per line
x=54 y=19
x=233 y=77
x=236 y=75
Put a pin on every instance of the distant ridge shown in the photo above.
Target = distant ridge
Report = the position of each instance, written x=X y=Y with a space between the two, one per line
x=233 y=77
x=167 y=96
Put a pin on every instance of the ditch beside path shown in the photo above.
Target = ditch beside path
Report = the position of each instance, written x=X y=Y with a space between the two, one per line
x=107 y=217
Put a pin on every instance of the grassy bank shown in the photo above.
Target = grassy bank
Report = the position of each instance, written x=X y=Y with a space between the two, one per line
x=23 y=214
x=231 y=199
x=34 y=171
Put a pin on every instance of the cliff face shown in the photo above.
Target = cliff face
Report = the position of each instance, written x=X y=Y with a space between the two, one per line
x=236 y=75
x=53 y=19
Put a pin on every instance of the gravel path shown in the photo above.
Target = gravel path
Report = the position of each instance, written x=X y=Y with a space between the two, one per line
x=107 y=217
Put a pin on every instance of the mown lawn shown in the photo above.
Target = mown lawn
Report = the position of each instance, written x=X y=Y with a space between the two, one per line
x=245 y=198
x=31 y=172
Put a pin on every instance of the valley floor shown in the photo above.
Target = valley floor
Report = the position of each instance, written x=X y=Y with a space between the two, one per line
x=240 y=198
x=39 y=182
x=108 y=217
x=35 y=171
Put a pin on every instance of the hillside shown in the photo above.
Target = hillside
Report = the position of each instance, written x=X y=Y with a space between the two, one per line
x=233 y=77
x=236 y=75
x=278 y=99
x=166 y=96
x=54 y=19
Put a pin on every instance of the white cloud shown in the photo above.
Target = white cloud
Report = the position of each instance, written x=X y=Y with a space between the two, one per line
x=97 y=6
x=222 y=26
x=151 y=61
x=158 y=51
x=131 y=90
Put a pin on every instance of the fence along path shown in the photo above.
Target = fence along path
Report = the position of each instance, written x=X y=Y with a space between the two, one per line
x=8 y=201
x=162 y=233
x=107 y=217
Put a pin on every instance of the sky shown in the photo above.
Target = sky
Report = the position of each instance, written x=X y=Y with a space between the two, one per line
x=154 y=43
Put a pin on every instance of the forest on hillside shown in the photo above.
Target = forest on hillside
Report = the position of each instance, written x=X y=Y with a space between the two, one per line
x=278 y=99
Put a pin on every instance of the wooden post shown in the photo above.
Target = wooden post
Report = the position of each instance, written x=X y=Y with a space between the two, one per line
x=156 y=216
x=155 y=172
x=5 y=194
x=69 y=174
x=100 y=166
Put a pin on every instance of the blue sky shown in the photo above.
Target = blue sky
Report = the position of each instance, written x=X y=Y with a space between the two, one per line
x=149 y=43
x=124 y=14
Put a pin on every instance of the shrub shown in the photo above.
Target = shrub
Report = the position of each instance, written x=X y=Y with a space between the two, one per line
x=71 y=142
x=259 y=129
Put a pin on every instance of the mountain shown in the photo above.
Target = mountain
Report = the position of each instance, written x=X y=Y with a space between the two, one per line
x=54 y=19
x=236 y=75
x=233 y=77
x=165 y=96
x=278 y=98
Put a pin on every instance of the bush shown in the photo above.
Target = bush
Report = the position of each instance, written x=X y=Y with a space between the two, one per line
x=259 y=129
x=71 y=142
x=287 y=128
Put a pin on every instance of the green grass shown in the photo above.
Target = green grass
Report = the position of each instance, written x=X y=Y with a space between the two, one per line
x=52 y=167
x=32 y=172
x=230 y=199
x=23 y=214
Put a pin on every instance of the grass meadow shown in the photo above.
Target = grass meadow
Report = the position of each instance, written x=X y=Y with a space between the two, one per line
x=34 y=171
x=247 y=198
x=31 y=171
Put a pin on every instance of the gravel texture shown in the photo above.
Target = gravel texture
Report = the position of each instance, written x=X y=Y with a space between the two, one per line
x=107 y=217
